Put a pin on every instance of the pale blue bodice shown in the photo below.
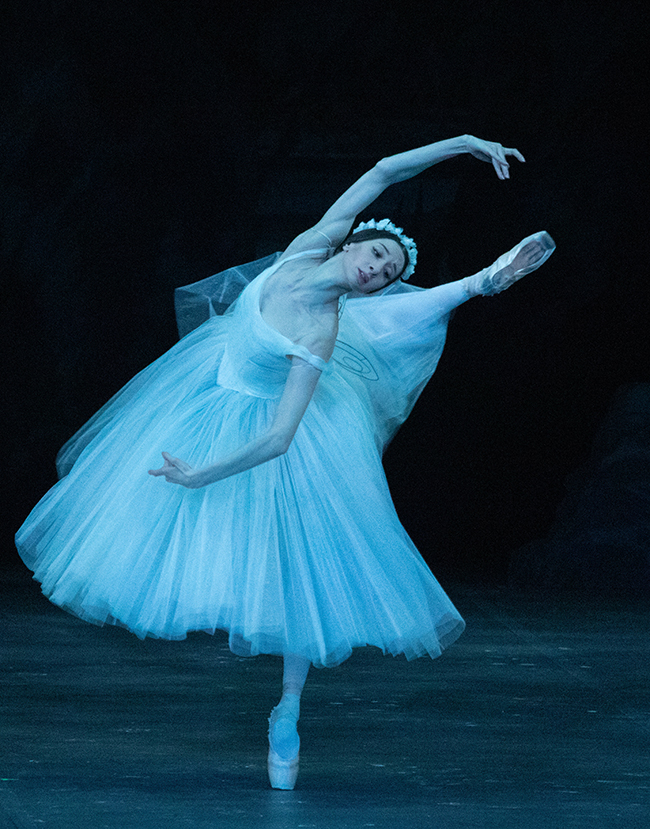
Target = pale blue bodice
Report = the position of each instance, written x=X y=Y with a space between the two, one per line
x=256 y=360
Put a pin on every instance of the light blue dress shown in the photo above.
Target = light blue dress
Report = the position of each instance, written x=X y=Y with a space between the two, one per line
x=304 y=554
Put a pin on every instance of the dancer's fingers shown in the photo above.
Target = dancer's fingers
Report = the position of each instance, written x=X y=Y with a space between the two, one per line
x=516 y=153
x=501 y=168
x=178 y=463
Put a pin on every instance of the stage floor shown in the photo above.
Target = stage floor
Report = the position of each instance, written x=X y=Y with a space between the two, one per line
x=538 y=717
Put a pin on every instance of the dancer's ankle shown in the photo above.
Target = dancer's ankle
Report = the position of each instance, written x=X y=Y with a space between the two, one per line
x=290 y=702
x=523 y=259
x=291 y=690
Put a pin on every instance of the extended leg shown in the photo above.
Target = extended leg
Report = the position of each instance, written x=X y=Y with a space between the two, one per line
x=523 y=259
x=444 y=298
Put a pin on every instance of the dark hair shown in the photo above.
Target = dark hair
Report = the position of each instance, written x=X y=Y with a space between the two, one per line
x=373 y=233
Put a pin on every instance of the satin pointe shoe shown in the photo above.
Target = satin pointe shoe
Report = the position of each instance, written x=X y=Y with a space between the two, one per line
x=284 y=743
x=502 y=274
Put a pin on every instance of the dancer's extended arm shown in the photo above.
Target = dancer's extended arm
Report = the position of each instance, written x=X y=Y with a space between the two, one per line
x=337 y=222
x=298 y=391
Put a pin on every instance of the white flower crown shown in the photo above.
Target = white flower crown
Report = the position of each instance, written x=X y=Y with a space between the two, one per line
x=407 y=242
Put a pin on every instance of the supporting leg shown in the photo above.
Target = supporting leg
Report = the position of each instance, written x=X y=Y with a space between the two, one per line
x=294 y=674
x=284 y=742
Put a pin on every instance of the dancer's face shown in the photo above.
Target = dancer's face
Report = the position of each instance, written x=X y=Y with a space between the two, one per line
x=372 y=264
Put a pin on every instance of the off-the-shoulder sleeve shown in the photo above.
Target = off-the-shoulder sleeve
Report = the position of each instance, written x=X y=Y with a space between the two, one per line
x=305 y=354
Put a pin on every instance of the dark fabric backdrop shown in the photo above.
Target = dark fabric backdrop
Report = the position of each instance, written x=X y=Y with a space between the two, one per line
x=146 y=145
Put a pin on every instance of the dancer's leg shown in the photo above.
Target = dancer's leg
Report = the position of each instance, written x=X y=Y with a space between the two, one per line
x=523 y=259
x=294 y=674
x=284 y=742
x=284 y=724
x=448 y=296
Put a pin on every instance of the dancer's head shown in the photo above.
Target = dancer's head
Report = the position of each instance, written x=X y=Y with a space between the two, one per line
x=402 y=251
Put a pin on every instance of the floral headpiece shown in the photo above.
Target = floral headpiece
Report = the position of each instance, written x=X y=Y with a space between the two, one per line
x=409 y=244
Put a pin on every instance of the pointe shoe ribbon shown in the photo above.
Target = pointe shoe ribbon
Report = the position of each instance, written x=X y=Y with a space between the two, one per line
x=501 y=274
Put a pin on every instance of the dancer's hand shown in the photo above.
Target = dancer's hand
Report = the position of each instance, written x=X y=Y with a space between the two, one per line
x=494 y=153
x=176 y=471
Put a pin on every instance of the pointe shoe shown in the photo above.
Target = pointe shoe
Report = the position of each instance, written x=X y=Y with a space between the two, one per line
x=501 y=274
x=282 y=773
x=283 y=736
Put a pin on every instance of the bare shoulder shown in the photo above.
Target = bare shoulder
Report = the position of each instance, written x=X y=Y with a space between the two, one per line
x=283 y=307
x=323 y=236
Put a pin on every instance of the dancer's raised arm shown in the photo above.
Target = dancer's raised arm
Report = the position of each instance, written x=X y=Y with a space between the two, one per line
x=337 y=221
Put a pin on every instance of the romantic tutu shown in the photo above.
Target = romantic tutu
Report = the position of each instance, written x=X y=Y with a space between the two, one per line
x=303 y=554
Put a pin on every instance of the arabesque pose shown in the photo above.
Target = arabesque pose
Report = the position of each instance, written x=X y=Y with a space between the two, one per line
x=279 y=526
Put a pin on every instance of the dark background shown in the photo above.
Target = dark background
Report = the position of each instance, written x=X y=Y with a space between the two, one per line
x=146 y=145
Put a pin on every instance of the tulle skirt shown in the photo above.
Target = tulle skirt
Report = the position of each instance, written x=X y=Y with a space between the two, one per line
x=302 y=555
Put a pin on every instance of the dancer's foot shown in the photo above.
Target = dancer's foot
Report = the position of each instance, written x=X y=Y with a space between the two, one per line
x=284 y=743
x=523 y=259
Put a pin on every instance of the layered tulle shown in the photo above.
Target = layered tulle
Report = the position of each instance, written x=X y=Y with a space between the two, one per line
x=303 y=554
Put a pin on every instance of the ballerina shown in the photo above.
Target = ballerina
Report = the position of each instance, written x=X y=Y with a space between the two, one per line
x=279 y=528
